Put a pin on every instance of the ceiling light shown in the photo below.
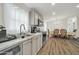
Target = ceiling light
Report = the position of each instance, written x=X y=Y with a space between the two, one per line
x=77 y=6
x=54 y=13
x=52 y=4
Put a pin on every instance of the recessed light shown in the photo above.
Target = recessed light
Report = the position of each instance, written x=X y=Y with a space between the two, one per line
x=53 y=13
x=52 y=4
x=77 y=6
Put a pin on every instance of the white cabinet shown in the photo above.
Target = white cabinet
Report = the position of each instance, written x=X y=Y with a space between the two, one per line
x=31 y=17
x=39 y=39
x=21 y=49
x=36 y=18
x=27 y=47
x=34 y=45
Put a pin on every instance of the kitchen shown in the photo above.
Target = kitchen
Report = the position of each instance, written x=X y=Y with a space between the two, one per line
x=21 y=30
x=27 y=29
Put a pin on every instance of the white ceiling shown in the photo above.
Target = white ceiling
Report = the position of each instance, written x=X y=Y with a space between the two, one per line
x=62 y=10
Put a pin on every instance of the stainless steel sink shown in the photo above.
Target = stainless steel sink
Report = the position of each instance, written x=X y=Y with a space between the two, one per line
x=23 y=36
x=28 y=34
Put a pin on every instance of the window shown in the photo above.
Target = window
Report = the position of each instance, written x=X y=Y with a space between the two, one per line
x=72 y=24
x=15 y=16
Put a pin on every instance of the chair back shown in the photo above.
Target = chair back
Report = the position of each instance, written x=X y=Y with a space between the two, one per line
x=63 y=32
x=56 y=32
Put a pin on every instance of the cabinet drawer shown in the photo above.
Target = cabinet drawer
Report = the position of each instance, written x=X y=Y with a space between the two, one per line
x=26 y=42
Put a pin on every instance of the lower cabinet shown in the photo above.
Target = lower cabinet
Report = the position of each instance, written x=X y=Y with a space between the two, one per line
x=34 y=45
x=27 y=49
x=39 y=39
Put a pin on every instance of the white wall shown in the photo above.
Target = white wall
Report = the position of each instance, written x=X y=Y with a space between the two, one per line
x=14 y=16
x=53 y=23
x=1 y=15
x=71 y=24
x=77 y=33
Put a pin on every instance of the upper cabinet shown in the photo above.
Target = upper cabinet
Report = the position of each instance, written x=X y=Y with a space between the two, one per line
x=40 y=21
x=34 y=17
x=31 y=17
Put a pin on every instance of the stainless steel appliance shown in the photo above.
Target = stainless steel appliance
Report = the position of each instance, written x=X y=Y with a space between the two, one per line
x=40 y=22
x=2 y=33
x=3 y=36
x=44 y=37
x=17 y=50
x=33 y=29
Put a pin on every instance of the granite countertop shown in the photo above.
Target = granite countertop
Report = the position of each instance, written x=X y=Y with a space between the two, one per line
x=8 y=44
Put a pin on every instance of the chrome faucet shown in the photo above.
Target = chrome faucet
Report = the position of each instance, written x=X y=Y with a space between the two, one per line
x=21 y=27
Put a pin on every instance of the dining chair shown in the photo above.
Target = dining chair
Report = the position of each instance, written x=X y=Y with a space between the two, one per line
x=56 y=33
x=63 y=33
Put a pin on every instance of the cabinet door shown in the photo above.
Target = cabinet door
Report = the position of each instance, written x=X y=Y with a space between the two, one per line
x=27 y=48
x=36 y=19
x=34 y=45
x=39 y=42
x=32 y=18
x=21 y=49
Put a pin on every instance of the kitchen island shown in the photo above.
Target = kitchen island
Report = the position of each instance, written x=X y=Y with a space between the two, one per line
x=29 y=45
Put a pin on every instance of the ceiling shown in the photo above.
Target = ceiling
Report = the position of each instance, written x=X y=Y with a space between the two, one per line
x=62 y=10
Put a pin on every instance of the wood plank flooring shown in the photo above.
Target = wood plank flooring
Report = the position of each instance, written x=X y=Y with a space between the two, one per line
x=57 y=46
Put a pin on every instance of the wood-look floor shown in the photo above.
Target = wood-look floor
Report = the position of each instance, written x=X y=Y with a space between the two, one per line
x=57 y=46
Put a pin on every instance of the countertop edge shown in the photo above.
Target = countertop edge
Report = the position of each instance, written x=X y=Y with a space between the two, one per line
x=9 y=44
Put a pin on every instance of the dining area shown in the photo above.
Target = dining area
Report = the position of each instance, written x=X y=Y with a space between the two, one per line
x=60 y=42
x=61 y=33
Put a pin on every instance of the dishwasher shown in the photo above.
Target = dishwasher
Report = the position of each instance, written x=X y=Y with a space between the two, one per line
x=13 y=51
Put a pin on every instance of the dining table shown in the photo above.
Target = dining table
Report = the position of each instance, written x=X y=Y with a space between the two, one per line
x=71 y=35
